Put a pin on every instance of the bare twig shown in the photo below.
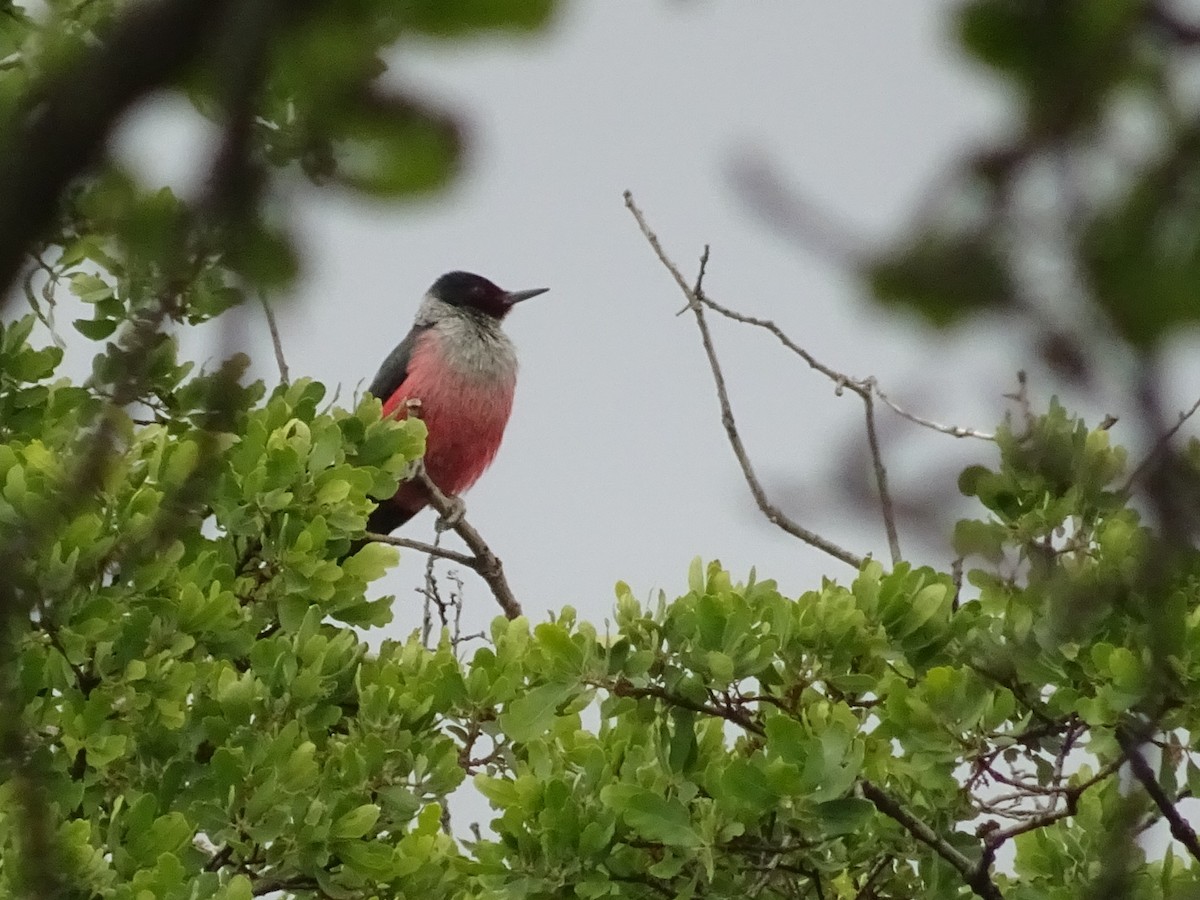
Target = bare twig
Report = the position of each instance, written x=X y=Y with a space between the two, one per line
x=885 y=496
x=865 y=388
x=430 y=593
x=957 y=431
x=774 y=515
x=276 y=342
x=432 y=550
x=1021 y=397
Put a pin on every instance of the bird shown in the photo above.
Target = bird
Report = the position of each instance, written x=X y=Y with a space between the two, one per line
x=461 y=368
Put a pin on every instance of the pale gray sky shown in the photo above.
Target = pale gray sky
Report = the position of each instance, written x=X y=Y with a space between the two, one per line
x=615 y=465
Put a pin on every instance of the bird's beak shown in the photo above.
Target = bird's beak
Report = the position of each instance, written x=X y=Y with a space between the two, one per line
x=514 y=297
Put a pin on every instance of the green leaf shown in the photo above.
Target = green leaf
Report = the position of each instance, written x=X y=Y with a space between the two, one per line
x=356 y=823
x=944 y=275
x=95 y=329
x=445 y=20
x=392 y=147
x=531 y=715
x=845 y=815
x=372 y=561
x=654 y=817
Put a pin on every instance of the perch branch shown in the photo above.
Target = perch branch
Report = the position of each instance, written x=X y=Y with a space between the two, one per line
x=482 y=561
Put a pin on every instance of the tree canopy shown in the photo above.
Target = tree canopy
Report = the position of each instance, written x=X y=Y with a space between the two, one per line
x=188 y=707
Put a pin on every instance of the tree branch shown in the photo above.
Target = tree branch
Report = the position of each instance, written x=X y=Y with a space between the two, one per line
x=624 y=688
x=956 y=431
x=1160 y=445
x=885 y=496
x=455 y=556
x=977 y=878
x=484 y=562
x=1181 y=830
x=865 y=388
x=774 y=515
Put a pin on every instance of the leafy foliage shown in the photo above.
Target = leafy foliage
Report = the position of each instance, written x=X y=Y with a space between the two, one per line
x=188 y=707
x=207 y=722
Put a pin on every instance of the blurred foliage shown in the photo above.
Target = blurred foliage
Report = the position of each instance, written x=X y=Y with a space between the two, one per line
x=1096 y=183
x=188 y=708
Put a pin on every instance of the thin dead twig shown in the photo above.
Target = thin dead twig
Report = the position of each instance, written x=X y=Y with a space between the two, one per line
x=885 y=495
x=774 y=515
x=956 y=431
x=864 y=387
x=276 y=341
x=432 y=550
x=430 y=593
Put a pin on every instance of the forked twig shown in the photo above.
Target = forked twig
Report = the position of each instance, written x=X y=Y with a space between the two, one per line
x=774 y=515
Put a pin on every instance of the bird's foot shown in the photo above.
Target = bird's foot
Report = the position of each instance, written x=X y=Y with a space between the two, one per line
x=455 y=510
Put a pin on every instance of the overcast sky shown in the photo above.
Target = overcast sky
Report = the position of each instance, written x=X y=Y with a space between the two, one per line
x=615 y=465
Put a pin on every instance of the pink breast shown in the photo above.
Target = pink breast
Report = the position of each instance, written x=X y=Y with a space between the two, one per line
x=465 y=416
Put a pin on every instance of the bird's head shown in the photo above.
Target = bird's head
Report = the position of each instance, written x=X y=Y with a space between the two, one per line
x=467 y=291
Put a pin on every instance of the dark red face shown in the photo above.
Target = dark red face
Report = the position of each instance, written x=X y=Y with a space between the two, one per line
x=476 y=292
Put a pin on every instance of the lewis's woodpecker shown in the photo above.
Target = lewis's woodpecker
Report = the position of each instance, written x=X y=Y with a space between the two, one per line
x=462 y=367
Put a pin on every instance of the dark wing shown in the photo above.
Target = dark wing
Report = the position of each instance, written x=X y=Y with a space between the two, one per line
x=395 y=368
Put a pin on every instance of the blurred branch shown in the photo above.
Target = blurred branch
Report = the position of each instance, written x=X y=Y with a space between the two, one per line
x=774 y=515
x=1181 y=830
x=793 y=215
x=1159 y=446
x=63 y=128
x=1181 y=32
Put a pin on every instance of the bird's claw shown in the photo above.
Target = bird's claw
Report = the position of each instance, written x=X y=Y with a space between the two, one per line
x=455 y=510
